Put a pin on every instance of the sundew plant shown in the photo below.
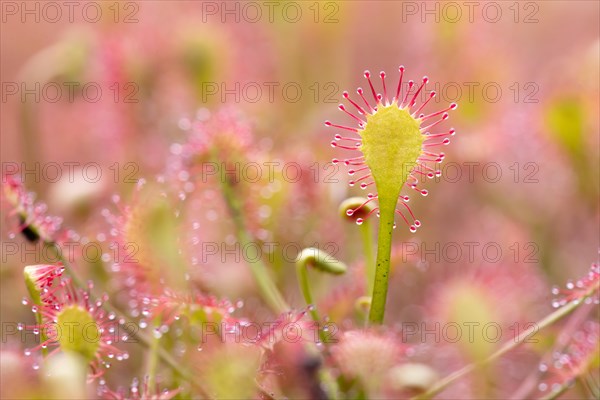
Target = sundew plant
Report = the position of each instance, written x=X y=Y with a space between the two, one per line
x=194 y=207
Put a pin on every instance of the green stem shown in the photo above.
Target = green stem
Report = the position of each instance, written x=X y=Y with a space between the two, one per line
x=153 y=357
x=320 y=261
x=544 y=323
x=302 y=273
x=556 y=393
x=366 y=231
x=382 y=269
x=30 y=143
x=259 y=270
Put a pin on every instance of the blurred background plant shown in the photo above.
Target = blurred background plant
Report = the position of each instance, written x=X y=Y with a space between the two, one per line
x=160 y=226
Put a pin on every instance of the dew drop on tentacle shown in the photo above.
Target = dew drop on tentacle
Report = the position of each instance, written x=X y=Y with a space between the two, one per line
x=359 y=221
x=368 y=76
x=358 y=108
x=361 y=123
x=397 y=97
x=410 y=86
x=555 y=303
x=414 y=98
x=570 y=285
x=382 y=76
x=432 y=94
x=360 y=93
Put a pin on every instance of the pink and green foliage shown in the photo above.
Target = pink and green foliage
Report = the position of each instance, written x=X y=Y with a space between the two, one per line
x=195 y=232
